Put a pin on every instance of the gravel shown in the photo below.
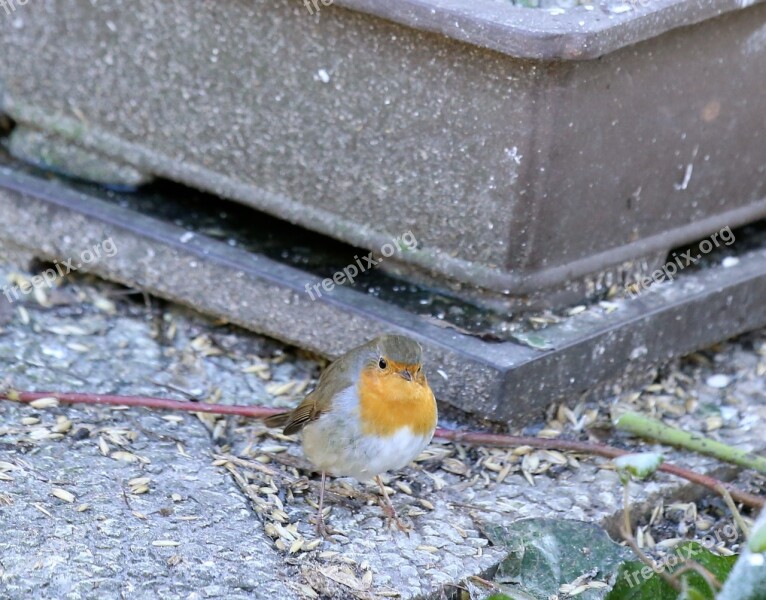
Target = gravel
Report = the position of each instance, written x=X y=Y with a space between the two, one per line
x=114 y=502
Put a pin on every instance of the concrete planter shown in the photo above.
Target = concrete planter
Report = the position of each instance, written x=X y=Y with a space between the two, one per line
x=531 y=152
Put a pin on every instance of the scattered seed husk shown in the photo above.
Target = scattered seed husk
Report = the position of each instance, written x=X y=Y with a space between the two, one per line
x=47 y=402
x=103 y=447
x=165 y=543
x=313 y=544
x=122 y=456
x=64 y=495
x=42 y=509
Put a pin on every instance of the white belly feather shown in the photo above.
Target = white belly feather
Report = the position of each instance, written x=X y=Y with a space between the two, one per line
x=334 y=443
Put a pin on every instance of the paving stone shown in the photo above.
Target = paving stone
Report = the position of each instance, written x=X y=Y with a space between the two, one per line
x=89 y=336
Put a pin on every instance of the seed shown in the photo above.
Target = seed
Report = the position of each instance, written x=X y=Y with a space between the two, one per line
x=39 y=507
x=273 y=449
x=556 y=457
x=530 y=463
x=103 y=446
x=280 y=516
x=63 y=495
x=703 y=524
x=48 y=402
x=124 y=456
x=41 y=433
x=312 y=545
x=63 y=425
x=165 y=543
x=82 y=348
x=503 y=474
x=280 y=389
x=307 y=591
x=549 y=433
x=713 y=423
x=453 y=465
x=528 y=477
x=403 y=487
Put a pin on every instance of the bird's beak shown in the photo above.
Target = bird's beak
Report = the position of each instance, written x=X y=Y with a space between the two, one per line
x=406 y=374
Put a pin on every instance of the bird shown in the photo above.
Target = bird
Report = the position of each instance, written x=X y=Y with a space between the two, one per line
x=372 y=411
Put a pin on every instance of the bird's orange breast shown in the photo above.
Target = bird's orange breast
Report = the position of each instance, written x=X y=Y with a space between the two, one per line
x=388 y=402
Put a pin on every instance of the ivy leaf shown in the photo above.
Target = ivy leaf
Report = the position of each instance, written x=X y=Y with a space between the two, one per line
x=636 y=581
x=533 y=340
x=748 y=578
x=546 y=554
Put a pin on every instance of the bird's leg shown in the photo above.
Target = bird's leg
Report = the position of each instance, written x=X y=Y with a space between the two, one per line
x=389 y=510
x=322 y=528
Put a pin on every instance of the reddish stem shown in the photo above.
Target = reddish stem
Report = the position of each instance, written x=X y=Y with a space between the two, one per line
x=466 y=437
x=254 y=412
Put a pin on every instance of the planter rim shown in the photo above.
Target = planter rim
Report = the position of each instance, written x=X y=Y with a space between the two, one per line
x=543 y=33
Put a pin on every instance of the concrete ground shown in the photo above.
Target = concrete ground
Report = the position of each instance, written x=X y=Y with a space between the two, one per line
x=128 y=503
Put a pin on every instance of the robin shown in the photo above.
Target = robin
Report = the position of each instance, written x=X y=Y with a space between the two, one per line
x=372 y=411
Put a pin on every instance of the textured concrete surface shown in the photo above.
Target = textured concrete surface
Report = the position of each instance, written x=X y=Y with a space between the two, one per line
x=591 y=346
x=364 y=129
x=105 y=502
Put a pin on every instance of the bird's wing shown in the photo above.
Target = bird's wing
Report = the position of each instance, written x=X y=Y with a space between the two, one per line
x=333 y=380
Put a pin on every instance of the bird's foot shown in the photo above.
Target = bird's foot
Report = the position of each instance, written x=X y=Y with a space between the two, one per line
x=392 y=517
x=324 y=530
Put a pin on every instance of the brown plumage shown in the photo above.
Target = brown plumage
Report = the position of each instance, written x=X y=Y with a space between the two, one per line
x=372 y=411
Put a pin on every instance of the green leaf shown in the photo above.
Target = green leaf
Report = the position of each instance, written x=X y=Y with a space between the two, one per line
x=533 y=340
x=747 y=580
x=636 y=581
x=545 y=554
x=757 y=541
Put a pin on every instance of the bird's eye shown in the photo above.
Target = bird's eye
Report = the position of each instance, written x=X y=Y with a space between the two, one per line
x=382 y=363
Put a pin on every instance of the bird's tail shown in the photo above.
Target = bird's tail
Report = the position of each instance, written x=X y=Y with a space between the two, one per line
x=276 y=421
